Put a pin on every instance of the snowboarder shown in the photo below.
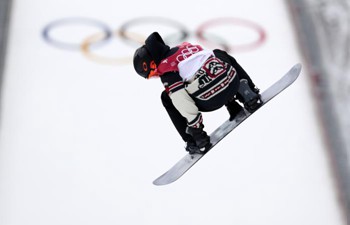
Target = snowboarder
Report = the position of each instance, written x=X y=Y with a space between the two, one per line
x=196 y=80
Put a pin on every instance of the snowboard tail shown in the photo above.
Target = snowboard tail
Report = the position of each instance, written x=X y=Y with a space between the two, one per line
x=185 y=163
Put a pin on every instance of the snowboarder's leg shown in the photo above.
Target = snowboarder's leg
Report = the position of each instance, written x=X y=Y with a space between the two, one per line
x=248 y=93
x=180 y=123
x=178 y=120
x=252 y=101
x=233 y=108
x=242 y=74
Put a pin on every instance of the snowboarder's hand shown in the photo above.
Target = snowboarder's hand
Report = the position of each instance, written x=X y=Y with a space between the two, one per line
x=199 y=136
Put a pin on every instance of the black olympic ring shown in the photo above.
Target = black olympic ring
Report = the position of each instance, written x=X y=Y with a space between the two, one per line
x=181 y=35
x=135 y=39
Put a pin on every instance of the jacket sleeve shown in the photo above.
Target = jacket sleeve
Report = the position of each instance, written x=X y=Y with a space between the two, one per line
x=182 y=101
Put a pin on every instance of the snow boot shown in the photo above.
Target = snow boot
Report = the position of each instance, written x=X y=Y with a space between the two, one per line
x=251 y=98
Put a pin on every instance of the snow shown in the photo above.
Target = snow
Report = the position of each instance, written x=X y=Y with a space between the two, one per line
x=82 y=141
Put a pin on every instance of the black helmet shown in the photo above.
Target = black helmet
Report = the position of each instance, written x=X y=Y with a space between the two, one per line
x=147 y=57
x=142 y=61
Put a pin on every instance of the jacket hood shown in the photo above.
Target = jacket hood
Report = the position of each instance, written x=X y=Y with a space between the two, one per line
x=156 y=47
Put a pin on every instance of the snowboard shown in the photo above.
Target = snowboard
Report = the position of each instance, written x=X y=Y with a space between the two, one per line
x=185 y=163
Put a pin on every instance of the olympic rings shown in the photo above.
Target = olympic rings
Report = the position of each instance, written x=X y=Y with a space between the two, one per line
x=93 y=39
x=239 y=22
x=134 y=39
x=182 y=31
x=74 y=46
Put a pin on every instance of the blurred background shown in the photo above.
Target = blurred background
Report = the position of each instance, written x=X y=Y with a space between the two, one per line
x=82 y=137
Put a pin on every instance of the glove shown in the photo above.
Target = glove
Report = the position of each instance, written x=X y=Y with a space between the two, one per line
x=200 y=137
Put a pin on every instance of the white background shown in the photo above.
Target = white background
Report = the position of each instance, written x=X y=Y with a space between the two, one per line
x=81 y=142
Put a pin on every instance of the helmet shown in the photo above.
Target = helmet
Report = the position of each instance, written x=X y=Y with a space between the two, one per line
x=143 y=62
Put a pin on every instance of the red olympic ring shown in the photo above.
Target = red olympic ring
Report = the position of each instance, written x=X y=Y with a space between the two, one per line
x=203 y=33
x=234 y=21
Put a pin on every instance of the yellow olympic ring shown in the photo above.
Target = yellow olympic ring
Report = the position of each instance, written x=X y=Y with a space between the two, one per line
x=95 y=38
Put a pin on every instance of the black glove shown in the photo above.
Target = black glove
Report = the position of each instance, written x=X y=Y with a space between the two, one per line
x=199 y=136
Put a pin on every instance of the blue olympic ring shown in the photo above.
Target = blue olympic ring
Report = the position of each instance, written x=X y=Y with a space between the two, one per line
x=74 y=46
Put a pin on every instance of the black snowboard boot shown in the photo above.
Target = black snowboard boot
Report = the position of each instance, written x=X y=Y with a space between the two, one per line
x=192 y=148
x=200 y=142
x=249 y=97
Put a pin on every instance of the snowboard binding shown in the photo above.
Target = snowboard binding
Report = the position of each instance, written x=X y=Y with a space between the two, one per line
x=192 y=148
x=250 y=98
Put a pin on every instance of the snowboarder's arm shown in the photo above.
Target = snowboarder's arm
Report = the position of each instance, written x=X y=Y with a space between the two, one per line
x=187 y=108
x=181 y=99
